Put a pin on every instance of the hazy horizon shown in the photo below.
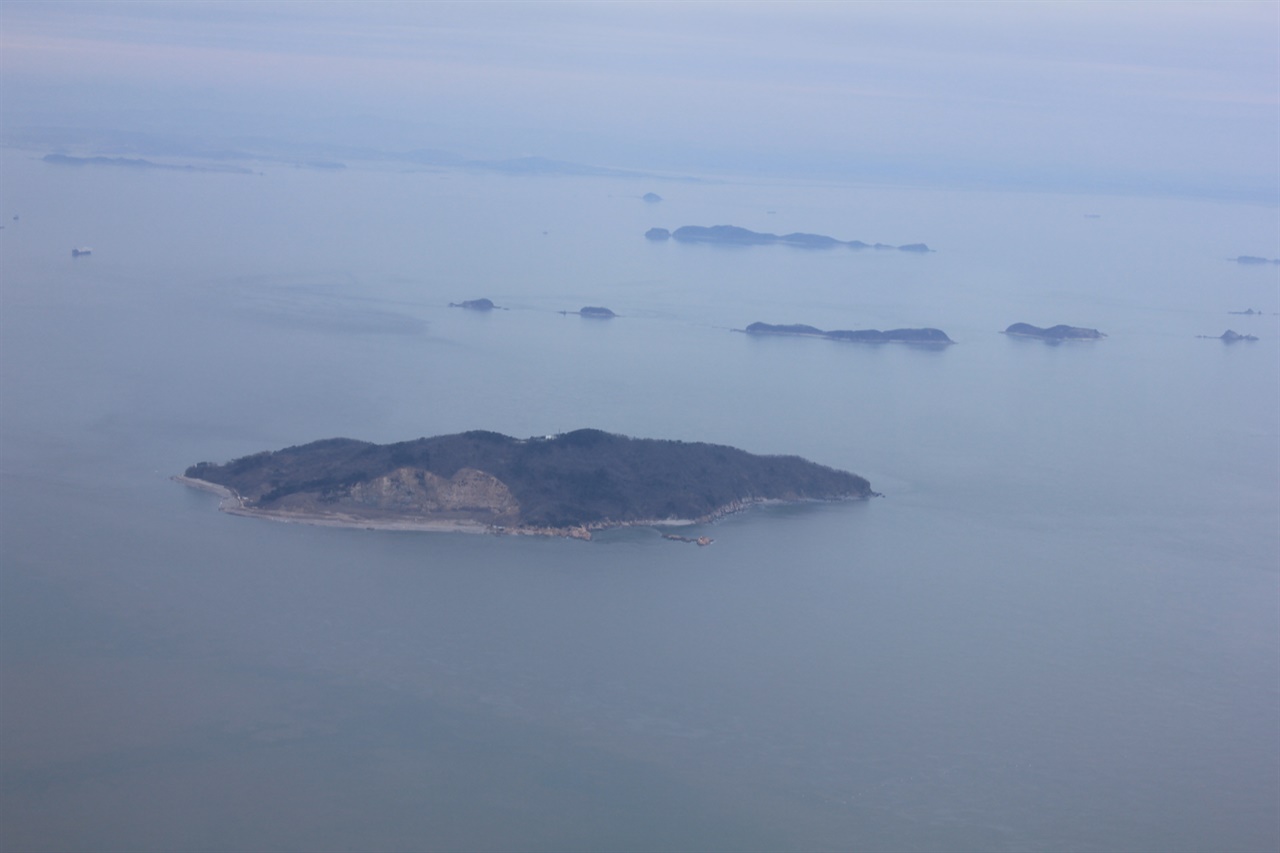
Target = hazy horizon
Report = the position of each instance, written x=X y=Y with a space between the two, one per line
x=1173 y=98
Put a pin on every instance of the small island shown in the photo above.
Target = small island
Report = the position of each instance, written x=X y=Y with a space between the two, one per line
x=1250 y=260
x=1230 y=336
x=592 y=311
x=935 y=337
x=1053 y=333
x=651 y=198
x=733 y=235
x=475 y=305
x=562 y=485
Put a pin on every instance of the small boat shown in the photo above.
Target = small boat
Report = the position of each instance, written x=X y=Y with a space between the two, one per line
x=83 y=250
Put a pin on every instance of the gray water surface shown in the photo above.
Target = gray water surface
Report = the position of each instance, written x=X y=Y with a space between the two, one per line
x=1058 y=630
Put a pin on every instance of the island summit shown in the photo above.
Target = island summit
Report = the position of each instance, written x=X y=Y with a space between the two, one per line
x=563 y=485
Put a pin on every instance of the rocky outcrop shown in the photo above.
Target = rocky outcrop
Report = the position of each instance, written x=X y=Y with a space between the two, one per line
x=702 y=541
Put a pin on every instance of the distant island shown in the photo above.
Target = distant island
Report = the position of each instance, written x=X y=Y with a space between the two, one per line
x=866 y=336
x=1053 y=333
x=136 y=163
x=563 y=485
x=594 y=311
x=1229 y=337
x=733 y=235
x=652 y=198
x=475 y=305
x=1253 y=259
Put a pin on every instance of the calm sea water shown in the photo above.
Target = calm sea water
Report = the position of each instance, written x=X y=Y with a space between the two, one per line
x=1059 y=629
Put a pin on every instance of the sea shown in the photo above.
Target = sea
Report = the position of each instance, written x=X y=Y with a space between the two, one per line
x=1058 y=629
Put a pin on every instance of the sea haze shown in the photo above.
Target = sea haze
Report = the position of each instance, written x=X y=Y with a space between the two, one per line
x=1057 y=630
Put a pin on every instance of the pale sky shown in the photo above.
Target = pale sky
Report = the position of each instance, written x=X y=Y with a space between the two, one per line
x=1092 y=94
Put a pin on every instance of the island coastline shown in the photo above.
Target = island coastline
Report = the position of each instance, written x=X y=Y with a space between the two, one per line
x=233 y=503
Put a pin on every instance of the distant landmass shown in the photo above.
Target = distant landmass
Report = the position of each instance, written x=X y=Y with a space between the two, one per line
x=733 y=235
x=594 y=311
x=867 y=336
x=475 y=305
x=134 y=163
x=1253 y=259
x=1229 y=337
x=1054 y=333
x=566 y=485
x=652 y=198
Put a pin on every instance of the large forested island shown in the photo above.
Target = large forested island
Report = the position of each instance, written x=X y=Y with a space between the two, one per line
x=567 y=485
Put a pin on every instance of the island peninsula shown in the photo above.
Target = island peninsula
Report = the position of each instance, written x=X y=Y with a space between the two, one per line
x=563 y=485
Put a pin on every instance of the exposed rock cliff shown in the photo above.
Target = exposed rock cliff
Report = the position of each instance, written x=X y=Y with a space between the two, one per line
x=413 y=490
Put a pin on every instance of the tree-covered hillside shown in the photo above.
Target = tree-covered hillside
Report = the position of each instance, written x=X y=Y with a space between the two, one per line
x=582 y=477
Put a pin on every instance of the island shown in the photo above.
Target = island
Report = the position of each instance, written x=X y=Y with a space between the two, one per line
x=935 y=337
x=1254 y=259
x=652 y=198
x=479 y=481
x=475 y=305
x=1053 y=333
x=733 y=235
x=136 y=163
x=1230 y=336
x=592 y=311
